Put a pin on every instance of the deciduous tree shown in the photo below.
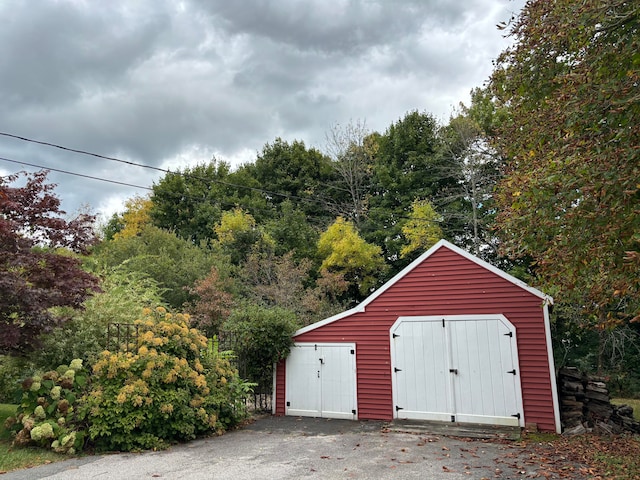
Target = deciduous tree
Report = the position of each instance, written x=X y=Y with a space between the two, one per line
x=422 y=229
x=570 y=194
x=344 y=251
x=39 y=265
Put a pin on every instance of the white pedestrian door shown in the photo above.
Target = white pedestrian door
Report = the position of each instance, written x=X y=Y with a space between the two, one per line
x=321 y=380
x=456 y=369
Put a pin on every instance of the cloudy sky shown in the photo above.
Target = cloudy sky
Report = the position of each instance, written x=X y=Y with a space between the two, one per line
x=171 y=83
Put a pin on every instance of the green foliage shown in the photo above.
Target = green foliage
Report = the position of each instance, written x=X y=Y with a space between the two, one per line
x=173 y=263
x=12 y=371
x=186 y=202
x=404 y=168
x=46 y=415
x=292 y=232
x=263 y=336
x=570 y=193
x=124 y=295
x=292 y=170
x=238 y=235
x=343 y=251
x=168 y=389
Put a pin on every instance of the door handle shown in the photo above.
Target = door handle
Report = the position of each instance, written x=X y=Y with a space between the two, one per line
x=453 y=370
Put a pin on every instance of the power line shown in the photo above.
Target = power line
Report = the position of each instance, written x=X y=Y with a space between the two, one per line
x=316 y=200
x=83 y=152
x=73 y=173
x=158 y=169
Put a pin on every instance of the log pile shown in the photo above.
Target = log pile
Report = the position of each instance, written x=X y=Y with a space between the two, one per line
x=585 y=405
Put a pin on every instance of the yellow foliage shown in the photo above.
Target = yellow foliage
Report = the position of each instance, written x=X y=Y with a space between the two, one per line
x=422 y=229
x=135 y=217
x=232 y=223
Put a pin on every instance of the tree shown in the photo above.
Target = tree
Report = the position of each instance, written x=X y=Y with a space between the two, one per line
x=135 y=217
x=472 y=168
x=344 y=251
x=238 y=235
x=405 y=168
x=263 y=336
x=352 y=150
x=190 y=202
x=212 y=304
x=39 y=266
x=292 y=171
x=569 y=197
x=422 y=229
x=174 y=263
x=292 y=231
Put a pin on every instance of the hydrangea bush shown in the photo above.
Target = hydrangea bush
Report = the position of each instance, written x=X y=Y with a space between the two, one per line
x=47 y=414
x=167 y=387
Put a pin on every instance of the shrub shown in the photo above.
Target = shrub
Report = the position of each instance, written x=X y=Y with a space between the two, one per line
x=124 y=295
x=12 y=371
x=263 y=336
x=167 y=389
x=46 y=415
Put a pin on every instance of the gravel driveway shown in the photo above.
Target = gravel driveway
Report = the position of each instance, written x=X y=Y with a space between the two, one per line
x=293 y=448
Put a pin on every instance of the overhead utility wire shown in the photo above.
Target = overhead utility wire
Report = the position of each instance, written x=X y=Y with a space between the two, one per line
x=163 y=170
x=166 y=171
x=179 y=195
x=73 y=173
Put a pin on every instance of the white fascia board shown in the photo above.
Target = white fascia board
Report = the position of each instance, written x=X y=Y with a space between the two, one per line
x=442 y=243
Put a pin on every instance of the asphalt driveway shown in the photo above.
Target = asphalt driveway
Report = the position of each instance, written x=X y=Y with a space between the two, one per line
x=293 y=448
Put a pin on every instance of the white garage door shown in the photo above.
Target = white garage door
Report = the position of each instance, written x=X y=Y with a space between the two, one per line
x=456 y=369
x=321 y=380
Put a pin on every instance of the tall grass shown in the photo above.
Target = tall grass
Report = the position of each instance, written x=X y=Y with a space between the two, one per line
x=632 y=402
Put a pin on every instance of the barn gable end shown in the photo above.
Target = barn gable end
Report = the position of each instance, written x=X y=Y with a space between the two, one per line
x=449 y=282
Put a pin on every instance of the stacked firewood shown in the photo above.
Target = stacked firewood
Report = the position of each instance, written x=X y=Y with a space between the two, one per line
x=585 y=405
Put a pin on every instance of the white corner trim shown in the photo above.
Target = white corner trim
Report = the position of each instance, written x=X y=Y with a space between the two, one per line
x=552 y=369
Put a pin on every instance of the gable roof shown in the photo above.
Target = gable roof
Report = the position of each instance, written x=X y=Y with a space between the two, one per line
x=360 y=308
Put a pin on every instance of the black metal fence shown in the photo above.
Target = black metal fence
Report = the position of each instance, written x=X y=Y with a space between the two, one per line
x=124 y=337
x=262 y=398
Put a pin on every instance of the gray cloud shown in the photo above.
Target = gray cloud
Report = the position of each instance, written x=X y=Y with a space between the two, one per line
x=166 y=81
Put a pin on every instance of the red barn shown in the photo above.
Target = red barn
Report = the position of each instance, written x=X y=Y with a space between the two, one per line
x=450 y=338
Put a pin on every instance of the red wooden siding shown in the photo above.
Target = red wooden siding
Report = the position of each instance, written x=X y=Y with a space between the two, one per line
x=445 y=283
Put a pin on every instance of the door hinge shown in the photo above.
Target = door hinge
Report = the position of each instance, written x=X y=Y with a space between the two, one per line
x=399 y=408
x=513 y=372
x=395 y=335
x=396 y=369
x=517 y=415
x=509 y=334
x=353 y=411
x=288 y=404
x=353 y=352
